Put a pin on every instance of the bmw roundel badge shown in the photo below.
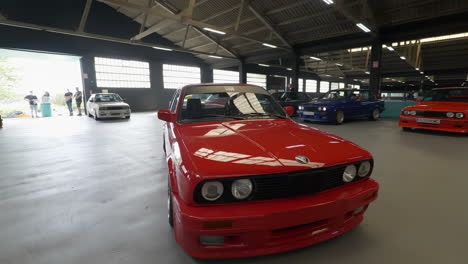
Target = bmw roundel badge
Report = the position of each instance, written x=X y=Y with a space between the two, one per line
x=302 y=159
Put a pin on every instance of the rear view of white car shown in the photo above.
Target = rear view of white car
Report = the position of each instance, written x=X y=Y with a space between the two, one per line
x=107 y=105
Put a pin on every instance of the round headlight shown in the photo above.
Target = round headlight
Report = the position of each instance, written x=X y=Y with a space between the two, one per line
x=459 y=115
x=364 y=169
x=212 y=190
x=324 y=108
x=349 y=173
x=301 y=107
x=406 y=112
x=450 y=114
x=241 y=189
x=412 y=112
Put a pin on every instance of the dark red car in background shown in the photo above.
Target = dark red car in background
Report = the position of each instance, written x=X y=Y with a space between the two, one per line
x=246 y=180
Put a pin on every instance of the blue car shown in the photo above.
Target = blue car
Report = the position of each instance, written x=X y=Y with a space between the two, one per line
x=339 y=105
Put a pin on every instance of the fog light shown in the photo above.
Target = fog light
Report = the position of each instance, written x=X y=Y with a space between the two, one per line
x=359 y=210
x=212 y=240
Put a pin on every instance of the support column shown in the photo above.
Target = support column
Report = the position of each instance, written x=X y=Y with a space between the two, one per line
x=88 y=76
x=207 y=74
x=375 y=67
x=242 y=71
x=295 y=73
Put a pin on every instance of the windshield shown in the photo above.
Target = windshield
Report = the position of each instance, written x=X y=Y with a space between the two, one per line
x=448 y=95
x=290 y=96
x=335 y=95
x=219 y=106
x=103 y=98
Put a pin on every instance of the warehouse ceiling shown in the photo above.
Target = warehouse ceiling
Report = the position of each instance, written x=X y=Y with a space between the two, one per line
x=270 y=31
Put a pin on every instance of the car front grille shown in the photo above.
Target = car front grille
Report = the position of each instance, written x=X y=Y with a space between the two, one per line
x=310 y=108
x=285 y=185
x=114 y=108
x=431 y=113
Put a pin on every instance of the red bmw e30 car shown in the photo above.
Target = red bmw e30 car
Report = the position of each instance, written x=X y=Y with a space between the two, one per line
x=445 y=110
x=246 y=180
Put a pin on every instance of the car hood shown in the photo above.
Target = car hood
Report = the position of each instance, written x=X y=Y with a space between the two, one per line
x=112 y=104
x=440 y=106
x=322 y=102
x=241 y=148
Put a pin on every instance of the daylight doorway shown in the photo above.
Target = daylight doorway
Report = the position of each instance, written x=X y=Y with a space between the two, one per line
x=23 y=72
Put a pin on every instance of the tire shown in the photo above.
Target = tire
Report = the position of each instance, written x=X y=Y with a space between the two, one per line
x=89 y=114
x=127 y=117
x=164 y=145
x=170 y=212
x=339 y=117
x=95 y=116
x=406 y=129
x=375 y=115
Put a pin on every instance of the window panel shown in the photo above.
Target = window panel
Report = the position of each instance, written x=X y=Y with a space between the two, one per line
x=311 y=86
x=334 y=85
x=324 y=87
x=115 y=73
x=342 y=85
x=256 y=79
x=177 y=76
x=222 y=76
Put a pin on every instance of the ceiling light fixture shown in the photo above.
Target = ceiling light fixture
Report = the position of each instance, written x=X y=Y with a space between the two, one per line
x=328 y=2
x=421 y=72
x=215 y=31
x=269 y=45
x=263 y=65
x=367 y=72
x=216 y=57
x=315 y=58
x=390 y=48
x=159 y=48
x=339 y=64
x=289 y=69
x=403 y=57
x=363 y=28
x=417 y=68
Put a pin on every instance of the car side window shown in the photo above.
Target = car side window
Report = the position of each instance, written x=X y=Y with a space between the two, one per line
x=174 y=101
x=363 y=96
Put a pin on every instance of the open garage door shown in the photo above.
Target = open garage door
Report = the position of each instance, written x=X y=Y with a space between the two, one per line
x=28 y=77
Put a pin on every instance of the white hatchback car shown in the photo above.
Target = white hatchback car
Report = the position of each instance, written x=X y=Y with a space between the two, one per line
x=107 y=105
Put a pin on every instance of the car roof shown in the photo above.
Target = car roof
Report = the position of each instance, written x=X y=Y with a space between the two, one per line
x=352 y=89
x=216 y=87
x=448 y=88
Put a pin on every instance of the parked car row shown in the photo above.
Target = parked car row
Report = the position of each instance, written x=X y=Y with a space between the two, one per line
x=245 y=179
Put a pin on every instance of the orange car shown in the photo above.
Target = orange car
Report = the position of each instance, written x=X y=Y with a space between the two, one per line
x=445 y=110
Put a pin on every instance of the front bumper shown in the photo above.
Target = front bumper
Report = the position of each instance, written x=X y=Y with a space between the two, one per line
x=318 y=116
x=266 y=227
x=113 y=113
x=449 y=125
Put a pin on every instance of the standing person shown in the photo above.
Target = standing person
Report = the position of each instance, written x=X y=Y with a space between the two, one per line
x=69 y=100
x=46 y=109
x=32 y=103
x=78 y=100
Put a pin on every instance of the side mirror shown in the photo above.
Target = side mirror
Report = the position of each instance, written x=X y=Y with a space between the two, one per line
x=289 y=110
x=418 y=100
x=166 y=115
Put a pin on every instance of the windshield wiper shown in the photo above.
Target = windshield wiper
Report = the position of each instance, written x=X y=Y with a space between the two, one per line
x=233 y=117
x=264 y=114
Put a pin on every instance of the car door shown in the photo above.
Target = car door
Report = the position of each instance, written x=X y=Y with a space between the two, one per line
x=90 y=104
x=366 y=104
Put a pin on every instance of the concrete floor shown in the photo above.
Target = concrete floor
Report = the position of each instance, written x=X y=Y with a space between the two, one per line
x=73 y=190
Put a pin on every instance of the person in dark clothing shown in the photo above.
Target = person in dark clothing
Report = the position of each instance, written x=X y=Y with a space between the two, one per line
x=69 y=100
x=32 y=103
x=78 y=100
